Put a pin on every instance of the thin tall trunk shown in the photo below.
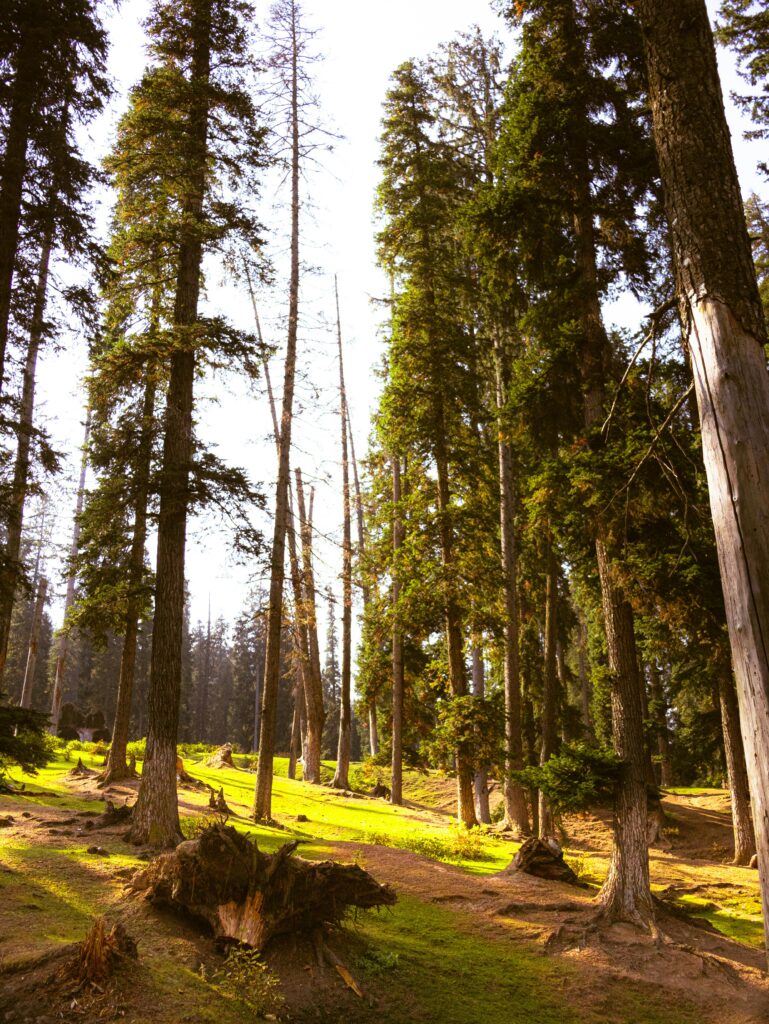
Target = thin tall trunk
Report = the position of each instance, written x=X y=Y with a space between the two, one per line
x=724 y=330
x=661 y=725
x=69 y=599
x=11 y=568
x=396 y=783
x=516 y=812
x=306 y=592
x=481 y=779
x=736 y=769
x=313 y=682
x=14 y=166
x=341 y=776
x=201 y=724
x=116 y=766
x=34 y=639
x=258 y=694
x=585 y=688
x=156 y=815
x=549 y=738
x=296 y=721
x=373 y=728
x=263 y=785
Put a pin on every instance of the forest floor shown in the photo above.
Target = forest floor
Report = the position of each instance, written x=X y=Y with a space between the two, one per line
x=464 y=944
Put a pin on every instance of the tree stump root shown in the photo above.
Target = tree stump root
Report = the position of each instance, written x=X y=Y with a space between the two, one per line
x=247 y=896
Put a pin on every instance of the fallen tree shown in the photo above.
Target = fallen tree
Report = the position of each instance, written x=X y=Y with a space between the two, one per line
x=248 y=896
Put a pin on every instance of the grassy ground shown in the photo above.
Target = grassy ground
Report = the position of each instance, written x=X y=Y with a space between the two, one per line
x=423 y=962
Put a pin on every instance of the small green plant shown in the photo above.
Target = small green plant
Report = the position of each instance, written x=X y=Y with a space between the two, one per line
x=574 y=779
x=247 y=977
x=460 y=844
x=137 y=748
x=583 y=867
x=376 y=962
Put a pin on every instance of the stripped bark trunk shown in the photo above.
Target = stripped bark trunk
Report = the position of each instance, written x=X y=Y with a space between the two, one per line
x=396 y=783
x=156 y=816
x=481 y=779
x=724 y=330
x=69 y=599
x=516 y=812
x=11 y=569
x=34 y=641
x=549 y=737
x=263 y=785
x=117 y=766
x=341 y=776
x=314 y=681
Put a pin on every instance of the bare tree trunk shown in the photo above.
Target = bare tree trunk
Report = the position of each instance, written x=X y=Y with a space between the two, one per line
x=550 y=691
x=481 y=779
x=116 y=766
x=155 y=817
x=314 y=681
x=725 y=333
x=263 y=785
x=258 y=695
x=341 y=777
x=34 y=639
x=204 y=683
x=373 y=729
x=69 y=599
x=296 y=721
x=396 y=783
x=10 y=570
x=516 y=812
x=736 y=769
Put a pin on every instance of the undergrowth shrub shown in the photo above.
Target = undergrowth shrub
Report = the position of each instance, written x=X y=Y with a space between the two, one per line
x=377 y=961
x=247 y=977
x=460 y=844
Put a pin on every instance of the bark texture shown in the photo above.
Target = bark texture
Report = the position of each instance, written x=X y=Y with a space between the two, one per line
x=736 y=769
x=396 y=783
x=725 y=332
x=34 y=640
x=549 y=740
x=481 y=779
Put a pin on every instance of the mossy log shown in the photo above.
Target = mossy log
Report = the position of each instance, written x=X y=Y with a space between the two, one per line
x=248 y=896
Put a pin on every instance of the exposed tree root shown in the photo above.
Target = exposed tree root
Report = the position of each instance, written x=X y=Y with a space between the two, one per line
x=248 y=896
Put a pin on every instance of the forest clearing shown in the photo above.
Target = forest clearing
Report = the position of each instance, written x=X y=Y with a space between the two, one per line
x=463 y=940
x=384 y=511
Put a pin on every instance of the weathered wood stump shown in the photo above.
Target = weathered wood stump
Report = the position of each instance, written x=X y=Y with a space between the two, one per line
x=221 y=758
x=80 y=771
x=543 y=858
x=381 y=790
x=217 y=802
x=248 y=896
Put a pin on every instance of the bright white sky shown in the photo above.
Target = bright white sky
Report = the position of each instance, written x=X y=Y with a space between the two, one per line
x=362 y=43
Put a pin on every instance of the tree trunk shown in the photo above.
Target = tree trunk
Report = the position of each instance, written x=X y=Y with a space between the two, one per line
x=396 y=783
x=23 y=92
x=10 y=570
x=34 y=639
x=316 y=714
x=156 y=817
x=736 y=769
x=585 y=689
x=341 y=777
x=69 y=600
x=263 y=785
x=516 y=812
x=724 y=331
x=481 y=779
x=204 y=683
x=661 y=724
x=549 y=740
x=116 y=767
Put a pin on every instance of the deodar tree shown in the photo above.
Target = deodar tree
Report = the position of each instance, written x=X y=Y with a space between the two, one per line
x=206 y=139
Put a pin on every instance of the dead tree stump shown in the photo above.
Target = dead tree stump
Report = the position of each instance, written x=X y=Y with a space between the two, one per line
x=221 y=758
x=543 y=858
x=248 y=896
x=80 y=771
